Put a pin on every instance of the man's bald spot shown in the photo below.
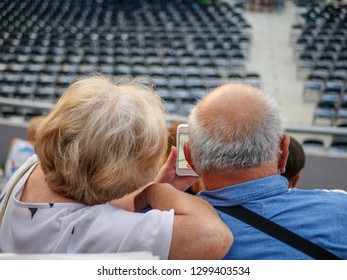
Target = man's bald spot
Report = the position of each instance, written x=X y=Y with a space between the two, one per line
x=232 y=105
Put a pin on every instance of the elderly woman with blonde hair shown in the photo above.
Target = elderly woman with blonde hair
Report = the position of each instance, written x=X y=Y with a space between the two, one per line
x=102 y=141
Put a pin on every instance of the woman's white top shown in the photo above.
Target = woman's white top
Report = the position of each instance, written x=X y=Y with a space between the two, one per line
x=38 y=228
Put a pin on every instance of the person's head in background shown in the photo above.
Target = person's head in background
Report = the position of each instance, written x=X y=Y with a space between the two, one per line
x=103 y=139
x=295 y=163
x=172 y=141
x=172 y=136
x=34 y=124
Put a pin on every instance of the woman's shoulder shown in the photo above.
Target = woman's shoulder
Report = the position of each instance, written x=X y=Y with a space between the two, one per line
x=109 y=218
x=106 y=211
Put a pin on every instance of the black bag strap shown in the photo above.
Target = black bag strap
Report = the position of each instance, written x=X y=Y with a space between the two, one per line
x=278 y=232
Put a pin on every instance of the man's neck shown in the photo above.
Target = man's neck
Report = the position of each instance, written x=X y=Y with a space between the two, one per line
x=218 y=180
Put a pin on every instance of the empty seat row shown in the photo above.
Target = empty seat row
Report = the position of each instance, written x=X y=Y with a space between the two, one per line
x=320 y=40
x=184 y=46
x=331 y=107
x=336 y=146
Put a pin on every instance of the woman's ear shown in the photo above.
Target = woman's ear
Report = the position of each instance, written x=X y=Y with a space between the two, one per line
x=283 y=156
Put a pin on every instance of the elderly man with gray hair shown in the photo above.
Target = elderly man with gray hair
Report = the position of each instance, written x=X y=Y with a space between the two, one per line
x=238 y=146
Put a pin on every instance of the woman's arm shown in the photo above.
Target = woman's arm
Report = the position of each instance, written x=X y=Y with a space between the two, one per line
x=198 y=232
x=167 y=174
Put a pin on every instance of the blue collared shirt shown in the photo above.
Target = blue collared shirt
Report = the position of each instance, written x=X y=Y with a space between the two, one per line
x=317 y=215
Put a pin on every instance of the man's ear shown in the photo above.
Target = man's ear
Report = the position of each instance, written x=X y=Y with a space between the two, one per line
x=188 y=155
x=284 y=153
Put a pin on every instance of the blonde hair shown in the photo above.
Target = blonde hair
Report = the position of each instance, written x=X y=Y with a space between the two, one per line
x=103 y=139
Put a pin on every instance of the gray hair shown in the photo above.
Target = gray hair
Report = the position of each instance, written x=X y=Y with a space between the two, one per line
x=217 y=145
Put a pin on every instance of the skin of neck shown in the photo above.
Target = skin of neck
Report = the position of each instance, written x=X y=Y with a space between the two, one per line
x=219 y=179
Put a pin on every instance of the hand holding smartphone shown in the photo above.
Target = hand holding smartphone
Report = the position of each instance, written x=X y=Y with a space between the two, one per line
x=182 y=166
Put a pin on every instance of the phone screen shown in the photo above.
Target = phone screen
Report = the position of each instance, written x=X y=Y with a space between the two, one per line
x=183 y=168
x=182 y=162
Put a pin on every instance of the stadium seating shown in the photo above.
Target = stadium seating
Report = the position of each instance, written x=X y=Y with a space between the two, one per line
x=319 y=43
x=45 y=45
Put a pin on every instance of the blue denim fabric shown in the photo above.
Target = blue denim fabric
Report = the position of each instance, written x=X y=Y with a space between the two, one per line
x=317 y=215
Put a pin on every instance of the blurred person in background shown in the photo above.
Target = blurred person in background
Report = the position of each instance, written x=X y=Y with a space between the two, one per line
x=295 y=163
x=21 y=149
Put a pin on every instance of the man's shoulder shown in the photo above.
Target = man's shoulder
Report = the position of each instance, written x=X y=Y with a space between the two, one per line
x=320 y=192
x=329 y=197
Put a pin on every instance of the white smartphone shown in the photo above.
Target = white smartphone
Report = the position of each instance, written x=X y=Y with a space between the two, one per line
x=182 y=166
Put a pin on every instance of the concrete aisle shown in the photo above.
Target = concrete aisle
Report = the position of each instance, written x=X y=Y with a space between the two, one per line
x=272 y=56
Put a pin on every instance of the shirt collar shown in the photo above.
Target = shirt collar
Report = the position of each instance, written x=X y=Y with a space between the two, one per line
x=245 y=192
